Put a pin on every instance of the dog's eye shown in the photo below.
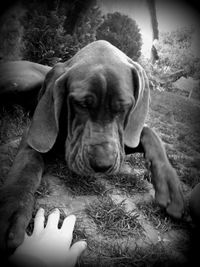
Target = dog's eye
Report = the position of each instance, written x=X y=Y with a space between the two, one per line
x=85 y=103
x=119 y=108
x=80 y=104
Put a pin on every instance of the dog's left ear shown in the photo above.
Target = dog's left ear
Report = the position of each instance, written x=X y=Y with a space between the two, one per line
x=44 y=127
x=138 y=113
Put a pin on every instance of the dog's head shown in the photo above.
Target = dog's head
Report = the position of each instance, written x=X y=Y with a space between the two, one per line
x=106 y=97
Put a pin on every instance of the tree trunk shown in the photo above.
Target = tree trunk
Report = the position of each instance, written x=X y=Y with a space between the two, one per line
x=75 y=9
x=154 y=25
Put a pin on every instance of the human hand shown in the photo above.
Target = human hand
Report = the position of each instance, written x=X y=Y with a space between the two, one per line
x=49 y=245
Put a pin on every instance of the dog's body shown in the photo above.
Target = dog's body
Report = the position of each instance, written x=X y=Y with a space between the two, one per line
x=96 y=104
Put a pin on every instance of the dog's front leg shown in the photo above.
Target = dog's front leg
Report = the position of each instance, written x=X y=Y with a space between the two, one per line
x=17 y=197
x=168 y=192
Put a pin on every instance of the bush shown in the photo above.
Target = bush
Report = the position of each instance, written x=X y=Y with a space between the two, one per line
x=11 y=32
x=43 y=34
x=175 y=52
x=123 y=32
x=45 y=39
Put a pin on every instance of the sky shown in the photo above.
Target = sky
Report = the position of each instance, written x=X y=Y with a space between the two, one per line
x=171 y=15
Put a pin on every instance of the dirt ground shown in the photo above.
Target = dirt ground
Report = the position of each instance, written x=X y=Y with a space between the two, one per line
x=117 y=215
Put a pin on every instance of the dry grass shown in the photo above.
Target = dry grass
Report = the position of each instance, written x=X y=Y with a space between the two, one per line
x=113 y=223
x=16 y=118
x=129 y=183
x=78 y=185
x=157 y=216
x=112 y=219
x=123 y=256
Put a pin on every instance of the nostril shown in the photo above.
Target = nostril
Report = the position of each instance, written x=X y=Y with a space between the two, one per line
x=98 y=168
x=101 y=157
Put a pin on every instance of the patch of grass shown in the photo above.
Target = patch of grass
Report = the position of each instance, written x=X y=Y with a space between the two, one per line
x=129 y=183
x=136 y=160
x=158 y=217
x=187 y=167
x=112 y=219
x=13 y=121
x=83 y=185
x=118 y=255
x=190 y=176
x=139 y=257
x=135 y=181
x=79 y=185
x=43 y=190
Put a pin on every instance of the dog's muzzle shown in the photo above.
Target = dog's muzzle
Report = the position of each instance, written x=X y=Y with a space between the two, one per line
x=102 y=157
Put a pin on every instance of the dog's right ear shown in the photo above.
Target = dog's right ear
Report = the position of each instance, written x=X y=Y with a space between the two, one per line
x=138 y=113
x=44 y=127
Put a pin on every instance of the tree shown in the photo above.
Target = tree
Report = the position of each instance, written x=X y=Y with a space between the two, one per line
x=75 y=10
x=176 y=59
x=11 y=32
x=43 y=35
x=45 y=38
x=175 y=51
x=123 y=32
x=154 y=25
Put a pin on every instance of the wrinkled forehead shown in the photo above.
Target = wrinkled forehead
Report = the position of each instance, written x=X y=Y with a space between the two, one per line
x=102 y=80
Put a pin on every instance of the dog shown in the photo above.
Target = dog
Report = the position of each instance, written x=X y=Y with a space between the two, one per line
x=93 y=106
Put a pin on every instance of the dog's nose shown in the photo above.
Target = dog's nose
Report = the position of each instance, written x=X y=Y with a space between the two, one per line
x=98 y=168
x=101 y=157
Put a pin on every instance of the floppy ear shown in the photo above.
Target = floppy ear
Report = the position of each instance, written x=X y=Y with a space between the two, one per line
x=138 y=113
x=44 y=127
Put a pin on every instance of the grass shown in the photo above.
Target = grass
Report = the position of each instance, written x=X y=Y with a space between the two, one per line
x=137 y=257
x=112 y=219
x=157 y=216
x=129 y=183
x=43 y=190
x=135 y=182
x=122 y=256
x=16 y=118
x=77 y=184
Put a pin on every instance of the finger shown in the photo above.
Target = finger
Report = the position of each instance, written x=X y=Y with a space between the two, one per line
x=68 y=225
x=39 y=222
x=67 y=229
x=53 y=219
x=75 y=252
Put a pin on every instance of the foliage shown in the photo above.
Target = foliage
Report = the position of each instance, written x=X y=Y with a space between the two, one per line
x=176 y=59
x=46 y=40
x=175 y=51
x=43 y=35
x=123 y=32
x=84 y=32
x=11 y=31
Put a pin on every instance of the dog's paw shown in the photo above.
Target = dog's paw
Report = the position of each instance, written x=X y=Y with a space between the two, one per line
x=15 y=212
x=168 y=191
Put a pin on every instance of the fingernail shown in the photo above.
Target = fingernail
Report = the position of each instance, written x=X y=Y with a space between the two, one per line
x=41 y=210
x=56 y=210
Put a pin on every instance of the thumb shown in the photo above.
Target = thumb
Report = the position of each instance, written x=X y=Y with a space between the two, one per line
x=75 y=251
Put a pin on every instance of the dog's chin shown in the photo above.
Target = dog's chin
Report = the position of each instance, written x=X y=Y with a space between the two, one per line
x=81 y=166
x=78 y=161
